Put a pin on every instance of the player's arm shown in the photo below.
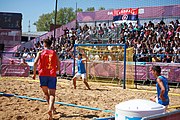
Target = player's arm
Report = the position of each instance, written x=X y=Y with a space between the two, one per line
x=72 y=55
x=161 y=85
x=35 y=64
x=85 y=59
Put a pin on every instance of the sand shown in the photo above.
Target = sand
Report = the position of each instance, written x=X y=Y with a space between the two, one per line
x=103 y=96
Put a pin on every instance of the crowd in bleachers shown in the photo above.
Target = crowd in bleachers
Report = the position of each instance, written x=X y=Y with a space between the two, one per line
x=152 y=42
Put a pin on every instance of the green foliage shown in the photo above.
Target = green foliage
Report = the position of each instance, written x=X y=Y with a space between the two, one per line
x=101 y=8
x=90 y=9
x=79 y=10
x=43 y=24
x=64 y=15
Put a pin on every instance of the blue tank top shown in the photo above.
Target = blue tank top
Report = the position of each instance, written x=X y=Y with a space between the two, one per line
x=81 y=67
x=165 y=83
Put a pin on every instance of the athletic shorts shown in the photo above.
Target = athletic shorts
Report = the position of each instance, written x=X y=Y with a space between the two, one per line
x=48 y=81
x=83 y=75
x=165 y=103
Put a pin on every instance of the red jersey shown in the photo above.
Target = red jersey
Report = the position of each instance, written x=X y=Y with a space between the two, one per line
x=47 y=63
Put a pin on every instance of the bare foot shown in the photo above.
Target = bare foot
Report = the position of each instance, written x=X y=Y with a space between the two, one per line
x=50 y=115
x=54 y=111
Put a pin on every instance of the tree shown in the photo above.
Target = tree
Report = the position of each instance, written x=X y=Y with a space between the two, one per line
x=90 y=9
x=64 y=15
x=79 y=10
x=101 y=8
x=44 y=21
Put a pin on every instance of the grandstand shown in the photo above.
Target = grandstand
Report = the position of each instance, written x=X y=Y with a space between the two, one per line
x=152 y=39
x=145 y=14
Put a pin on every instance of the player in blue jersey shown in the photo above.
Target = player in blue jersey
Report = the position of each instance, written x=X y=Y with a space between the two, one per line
x=81 y=70
x=161 y=87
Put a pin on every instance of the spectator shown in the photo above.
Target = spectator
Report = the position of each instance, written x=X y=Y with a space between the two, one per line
x=158 y=37
x=12 y=62
x=178 y=28
x=23 y=62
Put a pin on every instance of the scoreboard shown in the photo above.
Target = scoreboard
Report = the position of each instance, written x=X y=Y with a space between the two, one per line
x=10 y=20
x=10 y=29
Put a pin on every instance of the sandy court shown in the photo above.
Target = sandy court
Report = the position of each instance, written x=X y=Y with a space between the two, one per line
x=103 y=96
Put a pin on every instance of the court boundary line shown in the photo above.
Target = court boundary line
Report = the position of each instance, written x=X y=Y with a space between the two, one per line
x=135 y=90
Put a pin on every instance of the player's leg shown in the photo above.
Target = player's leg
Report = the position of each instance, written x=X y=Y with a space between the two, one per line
x=50 y=115
x=52 y=81
x=74 y=81
x=85 y=80
x=44 y=87
x=51 y=102
x=51 y=99
x=46 y=93
x=77 y=75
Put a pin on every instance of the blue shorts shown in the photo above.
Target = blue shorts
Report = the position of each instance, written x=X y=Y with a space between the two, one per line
x=48 y=81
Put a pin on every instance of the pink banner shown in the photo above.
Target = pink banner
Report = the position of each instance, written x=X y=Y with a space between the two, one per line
x=116 y=70
x=66 y=67
x=15 y=70
x=170 y=71
x=127 y=11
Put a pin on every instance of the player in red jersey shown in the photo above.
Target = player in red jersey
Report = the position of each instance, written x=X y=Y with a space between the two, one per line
x=48 y=63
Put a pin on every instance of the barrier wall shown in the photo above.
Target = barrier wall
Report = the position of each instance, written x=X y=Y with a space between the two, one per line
x=115 y=70
x=66 y=67
x=15 y=70
x=106 y=69
x=169 y=70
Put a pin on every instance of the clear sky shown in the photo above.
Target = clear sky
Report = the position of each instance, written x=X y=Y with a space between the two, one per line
x=32 y=9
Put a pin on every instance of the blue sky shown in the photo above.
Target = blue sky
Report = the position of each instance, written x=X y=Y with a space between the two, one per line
x=32 y=9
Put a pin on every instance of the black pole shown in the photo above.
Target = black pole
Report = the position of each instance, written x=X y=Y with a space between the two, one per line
x=124 y=79
x=135 y=70
x=76 y=17
x=74 y=60
x=55 y=23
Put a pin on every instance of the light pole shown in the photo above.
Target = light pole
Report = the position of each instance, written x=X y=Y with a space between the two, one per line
x=76 y=17
x=55 y=24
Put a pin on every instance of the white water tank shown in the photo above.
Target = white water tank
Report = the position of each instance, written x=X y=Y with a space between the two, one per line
x=137 y=109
